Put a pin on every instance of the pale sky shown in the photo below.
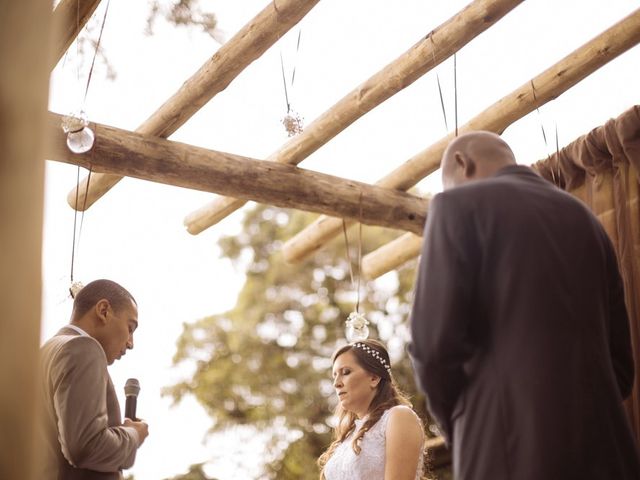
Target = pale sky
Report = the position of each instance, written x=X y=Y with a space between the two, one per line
x=134 y=234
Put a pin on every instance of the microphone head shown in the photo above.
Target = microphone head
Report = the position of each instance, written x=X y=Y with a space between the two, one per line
x=132 y=387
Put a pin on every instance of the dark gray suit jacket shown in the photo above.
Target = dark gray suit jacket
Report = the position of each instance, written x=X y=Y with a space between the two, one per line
x=81 y=430
x=521 y=336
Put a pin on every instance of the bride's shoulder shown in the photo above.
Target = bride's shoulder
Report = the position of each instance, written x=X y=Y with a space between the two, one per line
x=402 y=411
x=402 y=416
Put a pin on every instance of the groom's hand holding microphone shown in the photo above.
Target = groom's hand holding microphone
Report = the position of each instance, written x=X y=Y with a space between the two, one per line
x=131 y=390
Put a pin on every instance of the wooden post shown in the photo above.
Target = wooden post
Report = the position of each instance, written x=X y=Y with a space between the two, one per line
x=548 y=85
x=430 y=51
x=213 y=77
x=24 y=76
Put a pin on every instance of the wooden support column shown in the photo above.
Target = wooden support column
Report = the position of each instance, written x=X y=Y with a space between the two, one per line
x=69 y=17
x=548 y=85
x=132 y=154
x=430 y=51
x=215 y=75
x=24 y=77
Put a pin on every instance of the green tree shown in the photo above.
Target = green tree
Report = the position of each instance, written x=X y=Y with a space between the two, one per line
x=182 y=13
x=266 y=362
x=196 y=472
x=179 y=13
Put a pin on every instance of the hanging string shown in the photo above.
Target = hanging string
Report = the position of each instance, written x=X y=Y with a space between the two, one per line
x=78 y=232
x=293 y=74
x=295 y=61
x=455 y=90
x=284 y=83
x=75 y=213
x=84 y=203
x=76 y=238
x=556 y=179
x=535 y=100
x=77 y=42
x=95 y=53
x=354 y=285
x=75 y=221
x=346 y=244
x=293 y=122
x=359 y=255
x=444 y=112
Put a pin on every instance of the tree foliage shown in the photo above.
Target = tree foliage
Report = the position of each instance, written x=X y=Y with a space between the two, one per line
x=182 y=13
x=196 y=472
x=179 y=13
x=267 y=362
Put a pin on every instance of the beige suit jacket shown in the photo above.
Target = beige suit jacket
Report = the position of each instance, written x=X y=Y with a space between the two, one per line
x=81 y=428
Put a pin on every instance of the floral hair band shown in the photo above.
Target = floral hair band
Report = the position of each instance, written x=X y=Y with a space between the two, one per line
x=375 y=354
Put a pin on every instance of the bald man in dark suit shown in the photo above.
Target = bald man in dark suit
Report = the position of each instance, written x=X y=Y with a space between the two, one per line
x=83 y=436
x=520 y=335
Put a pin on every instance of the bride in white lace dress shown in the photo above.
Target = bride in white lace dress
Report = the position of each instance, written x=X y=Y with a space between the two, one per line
x=378 y=436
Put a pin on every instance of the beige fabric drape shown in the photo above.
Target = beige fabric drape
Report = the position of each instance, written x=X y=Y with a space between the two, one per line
x=603 y=169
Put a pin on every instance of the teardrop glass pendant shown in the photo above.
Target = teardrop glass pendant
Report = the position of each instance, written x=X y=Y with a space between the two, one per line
x=80 y=138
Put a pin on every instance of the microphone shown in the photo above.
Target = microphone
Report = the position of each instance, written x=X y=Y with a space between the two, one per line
x=131 y=390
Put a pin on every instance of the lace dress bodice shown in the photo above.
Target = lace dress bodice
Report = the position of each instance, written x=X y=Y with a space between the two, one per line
x=344 y=464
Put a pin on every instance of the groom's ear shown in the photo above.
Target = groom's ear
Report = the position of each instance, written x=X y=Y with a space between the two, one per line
x=101 y=308
x=466 y=164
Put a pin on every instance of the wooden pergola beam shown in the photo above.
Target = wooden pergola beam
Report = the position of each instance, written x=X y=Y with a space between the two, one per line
x=397 y=252
x=69 y=17
x=131 y=154
x=430 y=51
x=214 y=76
x=548 y=85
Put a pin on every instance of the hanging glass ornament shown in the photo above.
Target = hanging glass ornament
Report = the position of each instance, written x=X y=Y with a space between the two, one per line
x=75 y=288
x=357 y=328
x=80 y=137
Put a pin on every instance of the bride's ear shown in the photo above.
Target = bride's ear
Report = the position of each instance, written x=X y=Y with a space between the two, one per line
x=374 y=381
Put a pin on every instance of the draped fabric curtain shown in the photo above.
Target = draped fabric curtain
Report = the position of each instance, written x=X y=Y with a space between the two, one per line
x=602 y=168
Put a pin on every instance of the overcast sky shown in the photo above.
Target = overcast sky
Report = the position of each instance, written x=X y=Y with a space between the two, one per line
x=134 y=234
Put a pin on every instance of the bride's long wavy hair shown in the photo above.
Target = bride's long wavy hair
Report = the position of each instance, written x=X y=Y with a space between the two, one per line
x=388 y=395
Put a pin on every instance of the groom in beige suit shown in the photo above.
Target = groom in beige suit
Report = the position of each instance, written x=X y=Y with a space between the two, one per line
x=82 y=431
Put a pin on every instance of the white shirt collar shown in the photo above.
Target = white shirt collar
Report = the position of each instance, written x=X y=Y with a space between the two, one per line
x=78 y=329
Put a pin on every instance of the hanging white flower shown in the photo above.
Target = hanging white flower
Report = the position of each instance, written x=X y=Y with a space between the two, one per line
x=75 y=288
x=357 y=328
x=293 y=123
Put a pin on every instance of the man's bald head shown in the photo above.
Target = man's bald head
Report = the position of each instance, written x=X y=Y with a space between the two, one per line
x=473 y=156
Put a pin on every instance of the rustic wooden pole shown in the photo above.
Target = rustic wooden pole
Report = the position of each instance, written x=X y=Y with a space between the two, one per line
x=24 y=76
x=152 y=158
x=430 y=51
x=69 y=17
x=397 y=252
x=213 y=77
x=548 y=85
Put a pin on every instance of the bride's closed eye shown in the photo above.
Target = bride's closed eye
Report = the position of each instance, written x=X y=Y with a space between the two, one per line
x=345 y=371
